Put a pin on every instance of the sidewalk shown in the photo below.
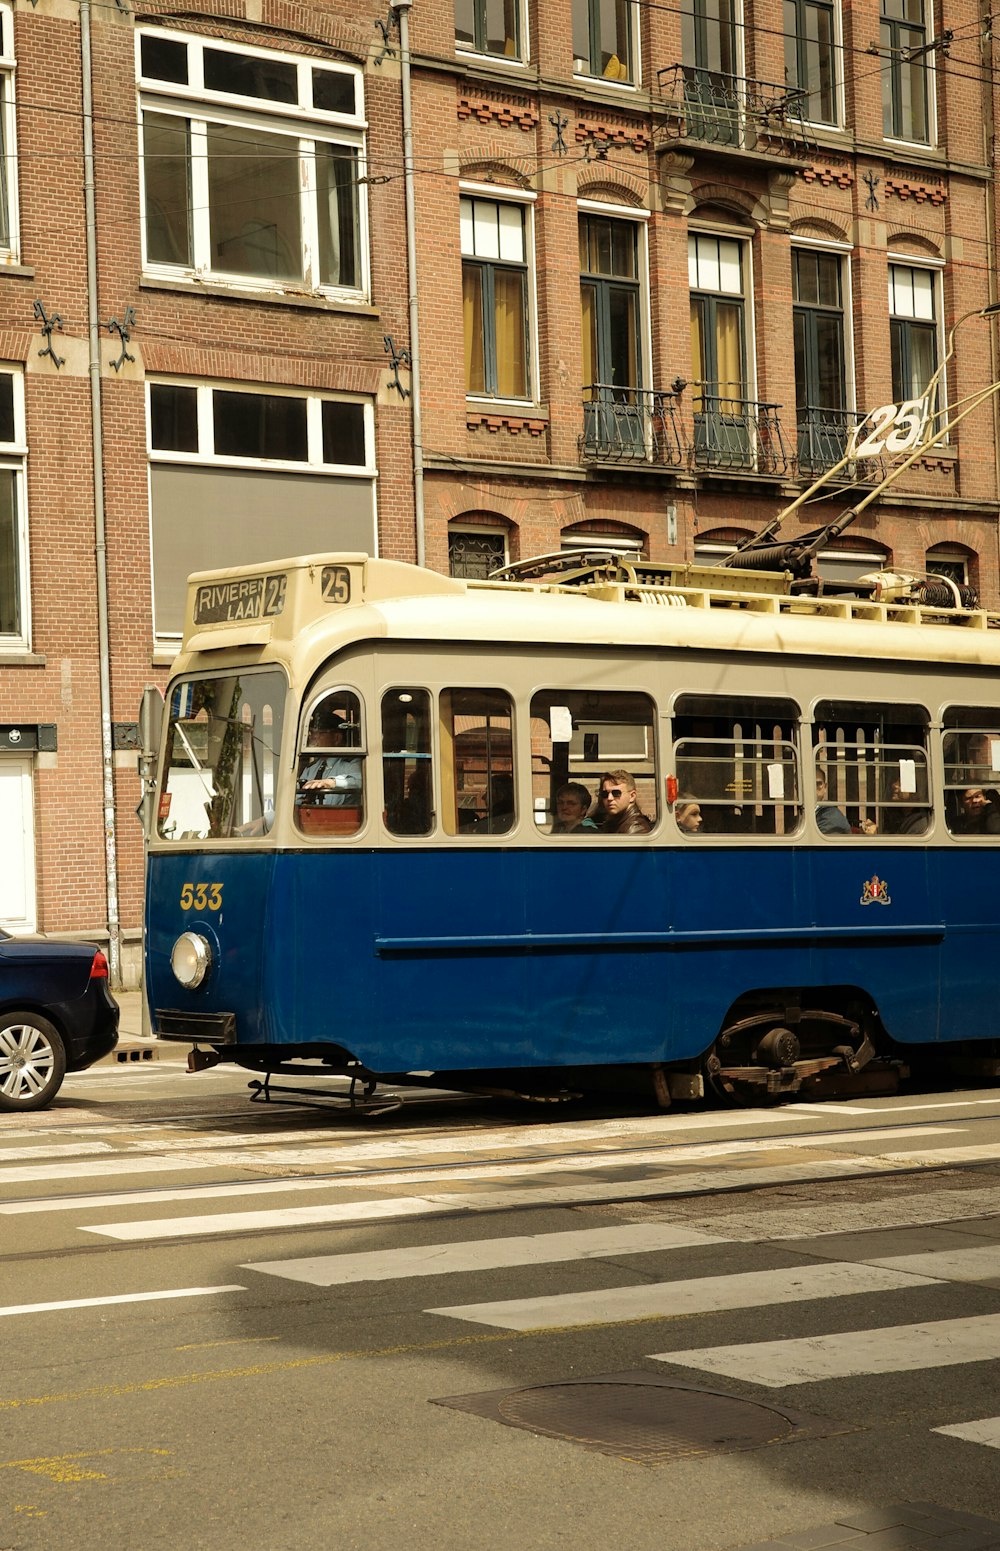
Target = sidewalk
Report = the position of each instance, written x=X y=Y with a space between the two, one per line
x=133 y=1045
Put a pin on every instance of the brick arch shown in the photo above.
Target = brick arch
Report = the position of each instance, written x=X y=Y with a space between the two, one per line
x=493 y=164
x=815 y=227
x=903 y=239
x=720 y=201
x=624 y=188
x=288 y=20
x=603 y=527
x=480 y=517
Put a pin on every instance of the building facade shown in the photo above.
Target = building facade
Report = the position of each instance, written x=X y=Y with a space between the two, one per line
x=667 y=256
x=695 y=244
x=233 y=184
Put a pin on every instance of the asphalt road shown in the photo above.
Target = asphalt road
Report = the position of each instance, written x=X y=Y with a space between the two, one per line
x=230 y=1325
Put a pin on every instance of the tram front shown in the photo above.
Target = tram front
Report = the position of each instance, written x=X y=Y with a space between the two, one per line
x=211 y=855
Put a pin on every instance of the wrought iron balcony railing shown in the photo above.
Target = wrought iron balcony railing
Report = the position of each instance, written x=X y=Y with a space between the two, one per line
x=736 y=433
x=823 y=439
x=733 y=110
x=630 y=425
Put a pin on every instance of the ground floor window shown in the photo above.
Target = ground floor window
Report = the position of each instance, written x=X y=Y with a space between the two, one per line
x=239 y=477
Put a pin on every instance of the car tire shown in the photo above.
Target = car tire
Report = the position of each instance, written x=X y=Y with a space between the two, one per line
x=32 y=1061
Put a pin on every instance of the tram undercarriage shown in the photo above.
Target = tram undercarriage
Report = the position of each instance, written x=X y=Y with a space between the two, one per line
x=770 y=1048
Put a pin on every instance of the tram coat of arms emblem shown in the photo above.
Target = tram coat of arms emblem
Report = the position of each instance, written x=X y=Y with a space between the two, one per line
x=875 y=891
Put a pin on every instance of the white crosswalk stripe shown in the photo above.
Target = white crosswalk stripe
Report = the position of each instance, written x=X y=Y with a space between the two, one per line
x=896 y=1349
x=483 y=1254
x=986 y=1431
x=670 y=1300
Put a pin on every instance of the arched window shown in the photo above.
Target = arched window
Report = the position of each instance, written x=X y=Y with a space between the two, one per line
x=955 y=561
x=478 y=544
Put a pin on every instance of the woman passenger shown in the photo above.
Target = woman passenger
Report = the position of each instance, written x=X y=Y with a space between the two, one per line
x=573 y=803
x=689 y=817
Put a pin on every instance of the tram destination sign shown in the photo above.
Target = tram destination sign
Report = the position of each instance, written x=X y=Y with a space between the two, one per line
x=245 y=597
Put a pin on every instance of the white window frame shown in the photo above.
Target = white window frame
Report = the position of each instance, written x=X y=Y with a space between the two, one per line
x=523 y=56
x=930 y=63
x=206 y=454
x=299 y=123
x=745 y=239
x=641 y=218
x=935 y=268
x=621 y=86
x=526 y=200
x=10 y=252
x=843 y=251
x=13 y=455
x=839 y=99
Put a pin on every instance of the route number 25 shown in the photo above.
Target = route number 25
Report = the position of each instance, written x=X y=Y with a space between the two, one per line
x=891 y=428
x=201 y=896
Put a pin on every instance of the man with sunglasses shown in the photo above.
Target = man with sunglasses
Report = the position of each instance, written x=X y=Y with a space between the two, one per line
x=620 y=805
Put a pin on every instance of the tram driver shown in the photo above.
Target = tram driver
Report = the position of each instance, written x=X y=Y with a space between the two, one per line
x=329 y=780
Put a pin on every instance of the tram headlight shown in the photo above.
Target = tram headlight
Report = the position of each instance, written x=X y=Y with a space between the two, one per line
x=191 y=959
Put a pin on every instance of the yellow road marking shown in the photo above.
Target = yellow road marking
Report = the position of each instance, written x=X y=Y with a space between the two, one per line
x=262 y=1370
x=64 y=1468
x=201 y=1346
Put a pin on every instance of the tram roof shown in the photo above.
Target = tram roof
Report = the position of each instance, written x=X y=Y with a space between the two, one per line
x=307 y=607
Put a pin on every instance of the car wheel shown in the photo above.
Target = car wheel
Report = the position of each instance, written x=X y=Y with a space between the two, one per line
x=32 y=1061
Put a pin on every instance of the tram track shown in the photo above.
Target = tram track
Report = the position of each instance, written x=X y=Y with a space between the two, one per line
x=632 y=1150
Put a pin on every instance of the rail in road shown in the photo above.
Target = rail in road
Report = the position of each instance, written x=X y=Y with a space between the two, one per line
x=137 y=1170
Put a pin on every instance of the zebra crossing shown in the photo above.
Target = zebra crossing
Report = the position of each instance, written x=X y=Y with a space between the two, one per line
x=823 y=1288
x=664 y=1248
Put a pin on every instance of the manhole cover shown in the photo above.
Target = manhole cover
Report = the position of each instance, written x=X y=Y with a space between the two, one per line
x=639 y=1417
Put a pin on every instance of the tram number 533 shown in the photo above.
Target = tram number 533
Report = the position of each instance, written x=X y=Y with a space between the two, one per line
x=201 y=896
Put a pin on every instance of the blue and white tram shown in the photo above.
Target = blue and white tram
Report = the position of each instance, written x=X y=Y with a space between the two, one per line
x=356 y=866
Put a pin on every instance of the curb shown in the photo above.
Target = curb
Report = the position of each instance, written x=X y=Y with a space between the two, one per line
x=130 y=1051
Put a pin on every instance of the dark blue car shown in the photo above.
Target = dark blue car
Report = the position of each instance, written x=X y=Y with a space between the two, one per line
x=57 y=1015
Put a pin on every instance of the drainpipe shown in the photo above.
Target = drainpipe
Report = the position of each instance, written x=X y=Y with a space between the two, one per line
x=990 y=204
x=100 y=544
x=402 y=9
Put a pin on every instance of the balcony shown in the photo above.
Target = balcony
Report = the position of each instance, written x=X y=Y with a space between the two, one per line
x=630 y=425
x=718 y=432
x=736 y=434
x=733 y=111
x=823 y=438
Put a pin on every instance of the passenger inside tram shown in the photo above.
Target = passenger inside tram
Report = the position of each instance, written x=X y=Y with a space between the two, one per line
x=829 y=818
x=688 y=816
x=903 y=815
x=620 y=805
x=979 y=812
x=573 y=804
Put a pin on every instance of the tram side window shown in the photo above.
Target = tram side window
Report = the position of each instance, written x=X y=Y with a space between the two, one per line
x=329 y=787
x=477 y=762
x=406 y=762
x=971 y=749
x=221 y=757
x=736 y=761
x=578 y=736
x=871 y=769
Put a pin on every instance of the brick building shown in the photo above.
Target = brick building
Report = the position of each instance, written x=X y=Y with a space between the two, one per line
x=667 y=254
x=695 y=241
x=247 y=233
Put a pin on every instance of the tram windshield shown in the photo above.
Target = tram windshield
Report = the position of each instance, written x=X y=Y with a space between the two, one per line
x=221 y=757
